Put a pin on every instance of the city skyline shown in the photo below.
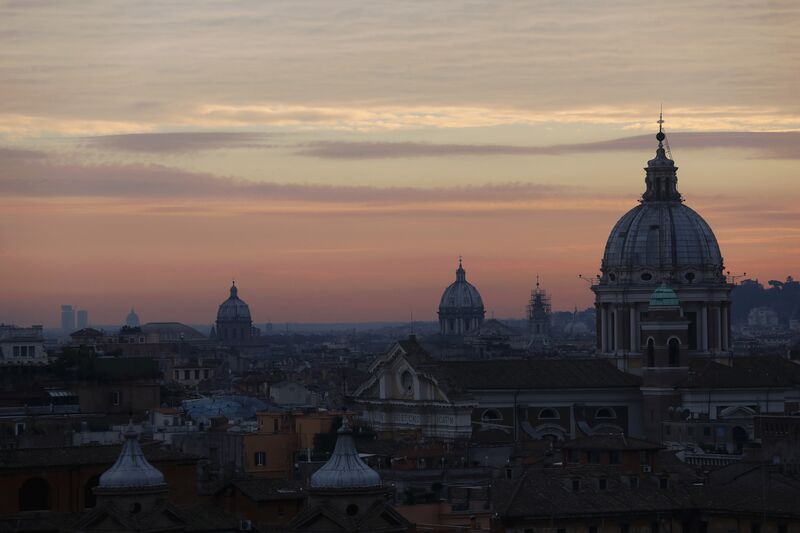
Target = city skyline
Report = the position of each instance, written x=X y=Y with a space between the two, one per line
x=338 y=175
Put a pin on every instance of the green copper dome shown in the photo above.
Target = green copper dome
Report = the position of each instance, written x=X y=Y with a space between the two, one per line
x=664 y=298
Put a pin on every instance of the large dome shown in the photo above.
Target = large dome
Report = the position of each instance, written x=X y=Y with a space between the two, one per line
x=233 y=309
x=661 y=238
x=461 y=294
x=661 y=235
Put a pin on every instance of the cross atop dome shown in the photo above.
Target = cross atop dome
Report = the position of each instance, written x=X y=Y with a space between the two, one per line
x=661 y=180
x=461 y=274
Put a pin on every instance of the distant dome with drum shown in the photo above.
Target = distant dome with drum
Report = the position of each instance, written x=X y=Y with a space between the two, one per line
x=661 y=238
x=461 y=307
x=234 y=308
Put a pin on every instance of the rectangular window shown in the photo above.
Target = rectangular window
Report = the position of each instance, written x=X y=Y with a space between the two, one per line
x=186 y=374
x=260 y=458
x=663 y=483
x=16 y=351
x=205 y=373
x=634 y=482
x=594 y=457
x=20 y=428
x=116 y=397
x=592 y=529
x=177 y=374
x=602 y=483
x=573 y=456
x=197 y=374
x=692 y=317
x=706 y=431
x=624 y=528
x=613 y=457
x=653 y=527
x=782 y=528
x=755 y=527
x=576 y=485
x=667 y=429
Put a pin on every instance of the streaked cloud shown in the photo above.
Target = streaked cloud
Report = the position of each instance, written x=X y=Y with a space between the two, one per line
x=774 y=145
x=34 y=173
x=178 y=142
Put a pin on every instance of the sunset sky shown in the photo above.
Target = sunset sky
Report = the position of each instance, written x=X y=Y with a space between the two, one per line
x=336 y=157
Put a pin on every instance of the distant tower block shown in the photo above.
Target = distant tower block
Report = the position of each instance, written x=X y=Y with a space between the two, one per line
x=83 y=318
x=539 y=312
x=67 y=319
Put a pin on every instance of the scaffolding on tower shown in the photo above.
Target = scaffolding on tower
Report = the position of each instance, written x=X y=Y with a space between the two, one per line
x=539 y=312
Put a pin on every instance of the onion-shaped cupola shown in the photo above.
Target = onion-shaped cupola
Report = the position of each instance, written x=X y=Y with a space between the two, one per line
x=345 y=469
x=132 y=470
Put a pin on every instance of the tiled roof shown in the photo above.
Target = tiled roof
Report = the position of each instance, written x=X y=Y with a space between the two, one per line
x=83 y=455
x=745 y=372
x=261 y=489
x=615 y=441
x=535 y=374
x=548 y=493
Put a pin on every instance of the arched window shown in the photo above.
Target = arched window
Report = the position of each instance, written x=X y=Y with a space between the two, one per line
x=651 y=352
x=605 y=412
x=548 y=413
x=674 y=346
x=407 y=382
x=34 y=495
x=491 y=415
x=89 y=499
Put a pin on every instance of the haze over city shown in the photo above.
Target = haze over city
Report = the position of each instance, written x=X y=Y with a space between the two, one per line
x=335 y=158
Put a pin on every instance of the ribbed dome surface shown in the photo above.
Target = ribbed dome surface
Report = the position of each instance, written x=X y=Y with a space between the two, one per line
x=132 y=470
x=661 y=238
x=234 y=308
x=461 y=294
x=345 y=469
x=661 y=234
